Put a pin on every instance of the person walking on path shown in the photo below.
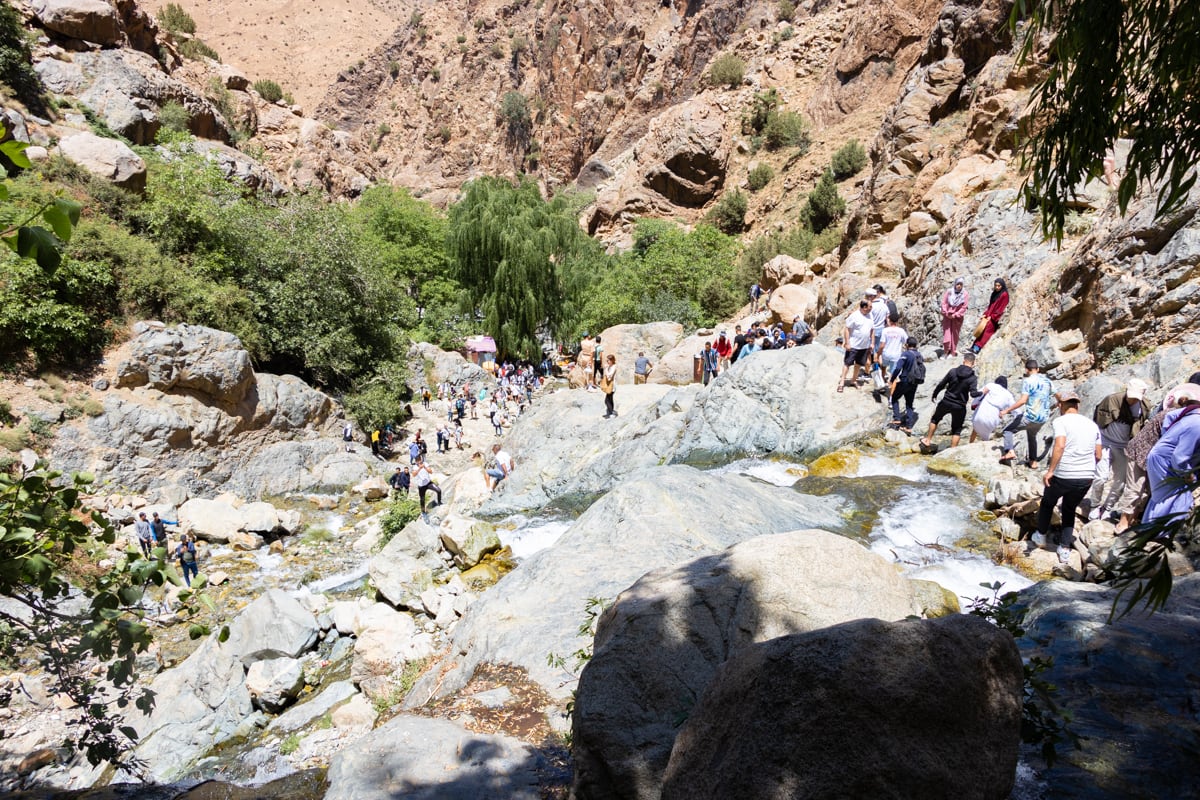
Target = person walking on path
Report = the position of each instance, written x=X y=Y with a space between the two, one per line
x=1036 y=391
x=710 y=362
x=879 y=318
x=960 y=386
x=997 y=304
x=586 y=359
x=1070 y=472
x=159 y=526
x=996 y=397
x=422 y=476
x=907 y=375
x=894 y=340
x=186 y=553
x=608 y=385
x=144 y=534
x=756 y=293
x=859 y=335
x=724 y=349
x=641 y=368
x=1119 y=417
x=954 y=308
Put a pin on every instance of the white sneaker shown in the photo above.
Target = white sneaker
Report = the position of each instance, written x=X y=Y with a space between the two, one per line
x=1064 y=555
x=1038 y=539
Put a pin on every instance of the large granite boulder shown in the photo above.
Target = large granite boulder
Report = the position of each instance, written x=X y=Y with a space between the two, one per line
x=428 y=362
x=566 y=452
x=653 y=518
x=777 y=402
x=275 y=625
x=93 y=21
x=189 y=358
x=197 y=706
x=677 y=366
x=916 y=708
x=1129 y=686
x=275 y=682
x=420 y=758
x=211 y=520
x=387 y=639
x=631 y=697
x=626 y=341
x=105 y=158
x=407 y=564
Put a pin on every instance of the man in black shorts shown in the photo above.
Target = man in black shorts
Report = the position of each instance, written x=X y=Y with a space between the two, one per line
x=960 y=386
x=859 y=334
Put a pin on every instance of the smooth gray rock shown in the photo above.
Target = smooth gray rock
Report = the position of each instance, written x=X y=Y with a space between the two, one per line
x=698 y=615
x=302 y=715
x=191 y=358
x=105 y=158
x=654 y=518
x=566 y=453
x=777 y=402
x=430 y=362
x=406 y=566
x=274 y=625
x=419 y=758
x=1129 y=686
x=90 y=20
x=274 y=682
x=197 y=705
x=917 y=708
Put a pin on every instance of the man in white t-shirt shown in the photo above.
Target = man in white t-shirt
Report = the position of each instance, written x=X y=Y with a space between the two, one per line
x=504 y=466
x=859 y=336
x=1071 y=471
x=894 y=340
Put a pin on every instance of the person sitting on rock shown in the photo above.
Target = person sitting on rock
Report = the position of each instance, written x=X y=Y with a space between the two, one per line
x=502 y=469
x=959 y=384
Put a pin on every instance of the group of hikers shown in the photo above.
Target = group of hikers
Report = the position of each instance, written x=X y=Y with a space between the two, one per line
x=152 y=533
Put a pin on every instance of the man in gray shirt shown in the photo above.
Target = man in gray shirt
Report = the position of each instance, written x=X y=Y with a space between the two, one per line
x=641 y=368
x=144 y=533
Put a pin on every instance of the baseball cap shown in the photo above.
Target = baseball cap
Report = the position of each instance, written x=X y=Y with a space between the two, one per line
x=1136 y=389
x=1067 y=396
x=1031 y=363
x=871 y=292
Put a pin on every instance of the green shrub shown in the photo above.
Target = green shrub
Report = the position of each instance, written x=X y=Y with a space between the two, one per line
x=796 y=243
x=290 y=744
x=514 y=113
x=759 y=113
x=786 y=11
x=760 y=176
x=729 y=214
x=824 y=205
x=728 y=70
x=175 y=20
x=401 y=511
x=461 y=38
x=174 y=117
x=16 y=439
x=497 y=50
x=518 y=45
x=16 y=59
x=269 y=90
x=394 y=69
x=196 y=49
x=786 y=129
x=848 y=160
x=414 y=19
x=826 y=241
x=6 y=415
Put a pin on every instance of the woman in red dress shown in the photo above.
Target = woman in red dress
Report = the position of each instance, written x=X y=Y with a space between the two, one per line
x=997 y=303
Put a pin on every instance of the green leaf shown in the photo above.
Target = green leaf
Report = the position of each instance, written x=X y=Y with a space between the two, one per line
x=223 y=636
x=3 y=191
x=63 y=216
x=196 y=631
x=15 y=151
x=39 y=244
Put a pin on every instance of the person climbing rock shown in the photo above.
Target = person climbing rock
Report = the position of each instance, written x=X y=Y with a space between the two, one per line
x=1070 y=472
x=959 y=385
x=990 y=323
x=1036 y=391
x=995 y=398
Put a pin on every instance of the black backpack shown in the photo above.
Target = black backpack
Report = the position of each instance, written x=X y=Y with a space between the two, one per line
x=918 y=370
x=894 y=314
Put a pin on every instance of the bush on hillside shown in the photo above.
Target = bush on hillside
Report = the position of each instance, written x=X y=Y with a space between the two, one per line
x=786 y=11
x=755 y=118
x=269 y=90
x=848 y=160
x=173 y=116
x=514 y=113
x=727 y=70
x=824 y=205
x=196 y=49
x=786 y=129
x=175 y=20
x=729 y=214
x=797 y=243
x=760 y=176
x=16 y=59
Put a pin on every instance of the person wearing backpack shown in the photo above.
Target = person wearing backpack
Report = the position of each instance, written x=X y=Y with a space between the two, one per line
x=186 y=553
x=1036 y=392
x=907 y=375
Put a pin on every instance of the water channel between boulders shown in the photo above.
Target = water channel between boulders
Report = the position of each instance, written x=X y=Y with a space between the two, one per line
x=927 y=523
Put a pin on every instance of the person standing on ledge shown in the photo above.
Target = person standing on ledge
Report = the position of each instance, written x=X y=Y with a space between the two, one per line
x=954 y=308
x=641 y=368
x=1070 y=472
x=997 y=304
x=608 y=385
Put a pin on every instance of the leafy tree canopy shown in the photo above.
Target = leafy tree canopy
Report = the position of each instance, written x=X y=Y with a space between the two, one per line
x=1116 y=69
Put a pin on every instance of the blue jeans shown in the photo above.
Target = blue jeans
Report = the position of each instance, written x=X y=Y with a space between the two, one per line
x=189 y=566
x=496 y=474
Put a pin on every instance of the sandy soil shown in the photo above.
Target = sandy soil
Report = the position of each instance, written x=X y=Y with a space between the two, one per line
x=297 y=43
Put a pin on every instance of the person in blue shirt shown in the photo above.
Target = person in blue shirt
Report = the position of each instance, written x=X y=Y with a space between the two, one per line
x=904 y=386
x=709 y=362
x=1035 y=395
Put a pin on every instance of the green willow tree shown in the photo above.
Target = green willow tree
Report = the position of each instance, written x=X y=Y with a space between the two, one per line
x=513 y=252
x=1115 y=70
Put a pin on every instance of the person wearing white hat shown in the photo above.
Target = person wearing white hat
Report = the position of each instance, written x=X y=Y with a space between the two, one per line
x=1119 y=416
x=1137 y=489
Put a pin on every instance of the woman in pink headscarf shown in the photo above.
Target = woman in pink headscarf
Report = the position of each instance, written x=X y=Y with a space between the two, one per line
x=954 y=308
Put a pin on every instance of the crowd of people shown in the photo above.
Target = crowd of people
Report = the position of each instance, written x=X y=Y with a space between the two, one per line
x=152 y=533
